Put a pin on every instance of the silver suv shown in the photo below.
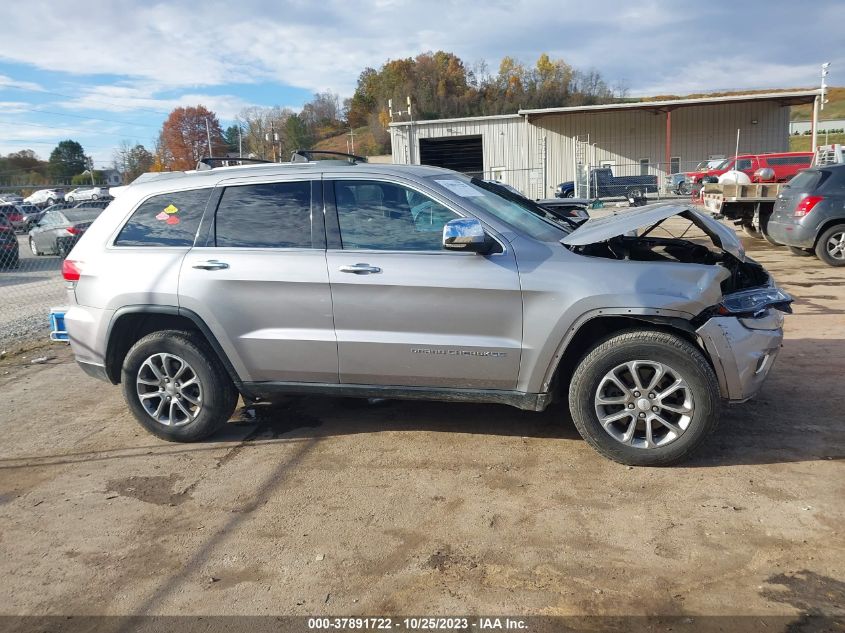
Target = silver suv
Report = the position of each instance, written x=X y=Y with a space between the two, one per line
x=350 y=279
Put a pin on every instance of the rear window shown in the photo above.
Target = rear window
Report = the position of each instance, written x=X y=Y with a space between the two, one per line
x=805 y=180
x=169 y=219
x=82 y=215
x=834 y=182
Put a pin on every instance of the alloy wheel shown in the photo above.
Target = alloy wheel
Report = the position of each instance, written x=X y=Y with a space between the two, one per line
x=836 y=246
x=644 y=404
x=169 y=389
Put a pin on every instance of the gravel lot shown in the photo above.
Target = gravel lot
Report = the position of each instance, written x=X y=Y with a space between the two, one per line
x=340 y=506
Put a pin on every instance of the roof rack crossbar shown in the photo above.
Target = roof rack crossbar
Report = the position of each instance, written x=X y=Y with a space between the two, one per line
x=208 y=160
x=308 y=155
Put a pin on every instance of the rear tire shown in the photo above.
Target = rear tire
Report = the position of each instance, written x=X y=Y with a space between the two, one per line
x=801 y=252
x=831 y=246
x=750 y=231
x=192 y=410
x=632 y=417
x=569 y=194
x=635 y=193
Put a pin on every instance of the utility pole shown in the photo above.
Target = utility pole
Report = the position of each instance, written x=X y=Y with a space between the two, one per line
x=818 y=104
x=91 y=170
x=351 y=135
x=208 y=133
x=240 y=142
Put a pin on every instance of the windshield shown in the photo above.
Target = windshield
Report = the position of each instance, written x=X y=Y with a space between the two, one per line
x=511 y=208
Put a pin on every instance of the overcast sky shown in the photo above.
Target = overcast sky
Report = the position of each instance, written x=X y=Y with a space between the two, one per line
x=102 y=72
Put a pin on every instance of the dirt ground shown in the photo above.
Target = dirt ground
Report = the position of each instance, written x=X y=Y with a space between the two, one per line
x=335 y=506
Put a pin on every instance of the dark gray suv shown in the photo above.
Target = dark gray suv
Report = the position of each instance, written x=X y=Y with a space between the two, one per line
x=413 y=282
x=809 y=214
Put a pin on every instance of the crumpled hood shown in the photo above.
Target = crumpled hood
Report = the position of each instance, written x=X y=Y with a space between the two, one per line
x=602 y=229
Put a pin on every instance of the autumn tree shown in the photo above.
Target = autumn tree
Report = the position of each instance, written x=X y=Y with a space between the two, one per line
x=67 y=160
x=184 y=137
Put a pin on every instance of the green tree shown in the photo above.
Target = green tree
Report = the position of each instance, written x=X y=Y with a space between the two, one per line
x=232 y=138
x=67 y=160
x=296 y=133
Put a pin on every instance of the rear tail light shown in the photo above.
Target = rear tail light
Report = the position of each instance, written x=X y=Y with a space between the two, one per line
x=806 y=205
x=71 y=270
x=73 y=230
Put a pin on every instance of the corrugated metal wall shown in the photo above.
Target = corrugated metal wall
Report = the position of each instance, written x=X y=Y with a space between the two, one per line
x=514 y=150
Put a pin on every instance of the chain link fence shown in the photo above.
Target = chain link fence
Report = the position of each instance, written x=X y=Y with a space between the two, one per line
x=33 y=242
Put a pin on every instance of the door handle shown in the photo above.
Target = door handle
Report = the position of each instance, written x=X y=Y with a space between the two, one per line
x=360 y=269
x=211 y=264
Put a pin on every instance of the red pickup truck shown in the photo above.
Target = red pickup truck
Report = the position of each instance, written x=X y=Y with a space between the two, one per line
x=784 y=164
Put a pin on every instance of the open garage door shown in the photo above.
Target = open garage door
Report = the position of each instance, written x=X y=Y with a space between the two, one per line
x=463 y=154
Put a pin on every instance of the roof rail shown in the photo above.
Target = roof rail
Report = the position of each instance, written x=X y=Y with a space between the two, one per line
x=206 y=163
x=307 y=155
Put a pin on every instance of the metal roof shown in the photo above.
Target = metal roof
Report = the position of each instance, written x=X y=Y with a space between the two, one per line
x=489 y=117
x=795 y=97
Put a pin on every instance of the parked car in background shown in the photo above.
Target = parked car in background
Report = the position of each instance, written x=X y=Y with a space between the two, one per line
x=45 y=197
x=603 y=184
x=571 y=208
x=86 y=193
x=93 y=204
x=416 y=282
x=9 y=255
x=679 y=185
x=784 y=165
x=58 y=231
x=10 y=198
x=809 y=214
x=18 y=215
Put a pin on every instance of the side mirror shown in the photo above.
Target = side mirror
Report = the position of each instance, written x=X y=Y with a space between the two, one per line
x=466 y=234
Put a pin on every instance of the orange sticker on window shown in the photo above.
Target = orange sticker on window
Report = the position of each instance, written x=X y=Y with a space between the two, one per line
x=173 y=220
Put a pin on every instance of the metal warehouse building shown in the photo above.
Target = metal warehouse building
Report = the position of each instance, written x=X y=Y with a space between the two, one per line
x=535 y=150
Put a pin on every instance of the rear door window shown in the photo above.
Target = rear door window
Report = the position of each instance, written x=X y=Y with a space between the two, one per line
x=269 y=215
x=169 y=219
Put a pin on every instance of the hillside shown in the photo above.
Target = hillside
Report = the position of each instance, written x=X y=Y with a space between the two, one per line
x=364 y=142
x=833 y=109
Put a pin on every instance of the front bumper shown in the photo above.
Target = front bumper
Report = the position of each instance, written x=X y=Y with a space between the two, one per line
x=743 y=351
x=791 y=234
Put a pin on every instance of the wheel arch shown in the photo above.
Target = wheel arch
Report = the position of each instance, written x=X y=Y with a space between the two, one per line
x=130 y=323
x=594 y=327
x=825 y=225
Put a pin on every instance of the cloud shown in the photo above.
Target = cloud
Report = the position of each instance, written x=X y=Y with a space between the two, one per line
x=141 y=97
x=185 y=46
x=8 y=82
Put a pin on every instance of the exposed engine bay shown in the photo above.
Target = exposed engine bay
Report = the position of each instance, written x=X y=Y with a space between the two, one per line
x=744 y=274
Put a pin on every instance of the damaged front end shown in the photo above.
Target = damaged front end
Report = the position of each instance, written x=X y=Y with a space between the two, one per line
x=743 y=332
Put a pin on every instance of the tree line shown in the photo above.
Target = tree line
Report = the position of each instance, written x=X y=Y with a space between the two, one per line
x=439 y=85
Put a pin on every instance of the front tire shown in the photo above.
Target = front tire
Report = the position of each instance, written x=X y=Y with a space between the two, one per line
x=831 y=246
x=176 y=386
x=34 y=248
x=644 y=398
